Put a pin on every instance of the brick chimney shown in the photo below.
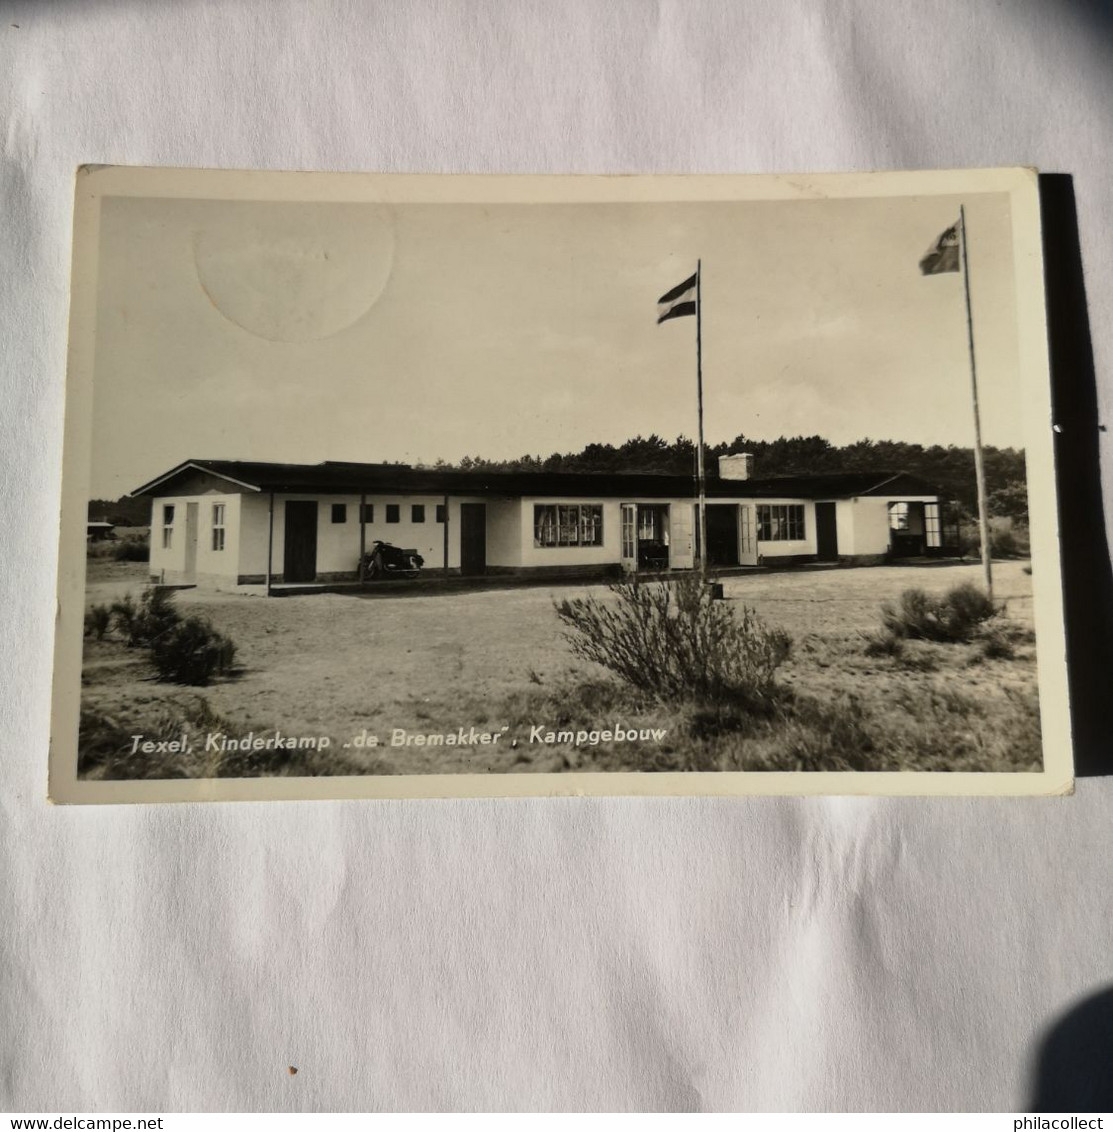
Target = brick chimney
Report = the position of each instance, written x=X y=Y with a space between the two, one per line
x=736 y=466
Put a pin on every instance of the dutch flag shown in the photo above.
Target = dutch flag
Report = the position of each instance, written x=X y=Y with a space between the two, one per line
x=678 y=302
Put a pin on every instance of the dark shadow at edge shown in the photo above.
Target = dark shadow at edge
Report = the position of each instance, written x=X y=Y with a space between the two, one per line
x=1073 y=1070
x=1087 y=571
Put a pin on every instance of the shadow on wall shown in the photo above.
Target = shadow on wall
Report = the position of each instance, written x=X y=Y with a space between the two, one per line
x=1074 y=1068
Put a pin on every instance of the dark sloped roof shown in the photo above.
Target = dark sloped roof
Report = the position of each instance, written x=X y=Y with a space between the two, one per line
x=402 y=479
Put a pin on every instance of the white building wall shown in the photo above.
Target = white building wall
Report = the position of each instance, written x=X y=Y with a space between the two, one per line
x=169 y=564
x=253 y=537
x=862 y=526
x=871 y=521
x=504 y=532
x=570 y=556
x=680 y=531
x=164 y=561
x=844 y=525
x=338 y=544
x=769 y=549
x=218 y=565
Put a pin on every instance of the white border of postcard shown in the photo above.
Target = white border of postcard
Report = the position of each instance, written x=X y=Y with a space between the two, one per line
x=96 y=182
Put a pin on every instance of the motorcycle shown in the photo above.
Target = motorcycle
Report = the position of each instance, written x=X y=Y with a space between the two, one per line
x=385 y=560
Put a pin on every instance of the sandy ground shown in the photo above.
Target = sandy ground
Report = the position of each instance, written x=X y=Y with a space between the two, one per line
x=339 y=665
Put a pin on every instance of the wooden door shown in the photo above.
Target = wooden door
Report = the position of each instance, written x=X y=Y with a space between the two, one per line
x=300 y=558
x=191 y=520
x=473 y=538
x=629 y=552
x=747 y=536
x=682 y=525
x=722 y=534
x=826 y=533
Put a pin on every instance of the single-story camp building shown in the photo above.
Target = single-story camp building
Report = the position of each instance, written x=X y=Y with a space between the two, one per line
x=229 y=522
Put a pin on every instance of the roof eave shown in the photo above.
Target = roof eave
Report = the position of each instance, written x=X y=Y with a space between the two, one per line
x=196 y=465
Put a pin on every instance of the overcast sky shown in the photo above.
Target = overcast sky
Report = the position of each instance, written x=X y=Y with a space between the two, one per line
x=306 y=332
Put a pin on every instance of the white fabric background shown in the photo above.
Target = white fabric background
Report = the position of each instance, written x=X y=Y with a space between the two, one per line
x=611 y=954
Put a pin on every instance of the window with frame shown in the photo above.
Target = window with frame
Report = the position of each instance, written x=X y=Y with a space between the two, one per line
x=442 y=512
x=393 y=513
x=218 y=526
x=167 y=526
x=367 y=515
x=933 y=525
x=568 y=524
x=649 y=524
x=780 y=522
x=340 y=512
x=417 y=513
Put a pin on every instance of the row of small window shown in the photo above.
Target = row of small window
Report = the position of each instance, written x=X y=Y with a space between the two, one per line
x=217 y=526
x=339 y=515
x=393 y=512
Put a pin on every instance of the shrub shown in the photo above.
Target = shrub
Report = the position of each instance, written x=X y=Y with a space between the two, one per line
x=1008 y=542
x=188 y=651
x=191 y=651
x=996 y=644
x=143 y=623
x=158 y=614
x=131 y=549
x=884 y=644
x=998 y=640
x=674 y=640
x=918 y=656
x=956 y=616
x=126 y=614
x=97 y=621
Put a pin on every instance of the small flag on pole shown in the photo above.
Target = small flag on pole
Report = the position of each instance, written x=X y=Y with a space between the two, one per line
x=943 y=255
x=678 y=302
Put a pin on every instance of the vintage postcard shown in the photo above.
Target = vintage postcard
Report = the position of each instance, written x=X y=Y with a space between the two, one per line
x=404 y=486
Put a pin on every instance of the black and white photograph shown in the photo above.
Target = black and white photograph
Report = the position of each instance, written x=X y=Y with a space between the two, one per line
x=403 y=486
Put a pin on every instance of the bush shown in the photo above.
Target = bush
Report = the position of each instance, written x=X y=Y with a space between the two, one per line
x=998 y=640
x=144 y=623
x=131 y=549
x=97 y=621
x=996 y=644
x=884 y=644
x=673 y=640
x=126 y=615
x=957 y=616
x=191 y=651
x=1008 y=542
x=184 y=651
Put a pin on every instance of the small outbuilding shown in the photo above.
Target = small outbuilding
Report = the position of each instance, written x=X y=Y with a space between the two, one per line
x=100 y=531
x=231 y=523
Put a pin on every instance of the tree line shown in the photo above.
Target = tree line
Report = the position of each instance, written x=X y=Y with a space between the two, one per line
x=950 y=468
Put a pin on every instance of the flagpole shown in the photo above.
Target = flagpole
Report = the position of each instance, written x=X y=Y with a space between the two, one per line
x=699 y=401
x=979 y=463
